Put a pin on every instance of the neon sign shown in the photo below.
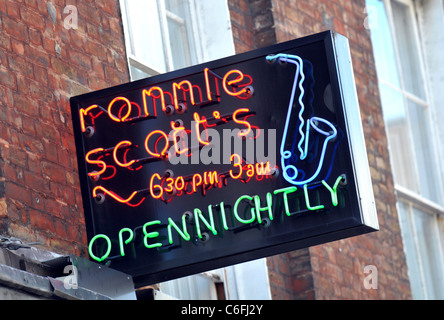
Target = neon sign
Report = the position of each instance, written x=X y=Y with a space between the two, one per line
x=200 y=220
x=216 y=164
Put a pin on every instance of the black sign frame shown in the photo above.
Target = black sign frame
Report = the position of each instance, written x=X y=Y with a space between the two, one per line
x=268 y=233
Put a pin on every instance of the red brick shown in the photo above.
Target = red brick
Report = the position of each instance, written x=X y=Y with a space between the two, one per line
x=31 y=144
x=62 y=68
x=17 y=192
x=49 y=45
x=7 y=78
x=5 y=41
x=21 y=66
x=35 y=4
x=18 y=157
x=18 y=47
x=36 y=182
x=41 y=74
x=60 y=228
x=50 y=134
x=3 y=208
x=13 y=9
x=37 y=200
x=41 y=220
x=14 y=172
x=53 y=172
x=52 y=206
x=95 y=49
x=31 y=17
x=37 y=56
x=20 y=231
x=15 y=29
x=35 y=36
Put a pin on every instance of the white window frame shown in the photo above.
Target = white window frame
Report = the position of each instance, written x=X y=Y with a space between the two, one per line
x=190 y=288
x=164 y=14
x=425 y=103
x=436 y=212
x=407 y=198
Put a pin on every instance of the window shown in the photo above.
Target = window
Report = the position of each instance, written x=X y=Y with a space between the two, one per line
x=404 y=84
x=165 y=35
x=204 y=286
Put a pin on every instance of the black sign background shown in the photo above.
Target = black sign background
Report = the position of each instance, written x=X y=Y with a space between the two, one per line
x=272 y=83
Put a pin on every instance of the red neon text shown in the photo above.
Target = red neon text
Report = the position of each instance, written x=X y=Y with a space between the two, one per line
x=183 y=94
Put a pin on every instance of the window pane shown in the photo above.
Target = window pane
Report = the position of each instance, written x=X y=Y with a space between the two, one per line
x=401 y=148
x=179 y=44
x=424 y=152
x=422 y=237
x=137 y=74
x=145 y=33
x=178 y=7
x=180 y=33
x=195 y=287
x=408 y=50
x=393 y=106
x=382 y=42
x=414 y=269
x=429 y=247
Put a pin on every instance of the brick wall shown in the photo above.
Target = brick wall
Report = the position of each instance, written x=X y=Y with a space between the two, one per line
x=252 y=24
x=43 y=64
x=335 y=270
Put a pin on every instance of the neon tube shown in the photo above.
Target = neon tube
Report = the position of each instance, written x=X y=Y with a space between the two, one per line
x=184 y=234
x=268 y=208
x=210 y=225
x=121 y=242
x=179 y=85
x=164 y=150
x=198 y=123
x=84 y=112
x=307 y=201
x=236 y=213
x=245 y=123
x=207 y=85
x=96 y=162
x=113 y=117
x=108 y=249
x=312 y=122
x=197 y=181
x=233 y=82
x=238 y=164
x=113 y=195
x=156 y=186
x=149 y=93
x=334 y=190
x=125 y=142
x=150 y=235
x=285 y=192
